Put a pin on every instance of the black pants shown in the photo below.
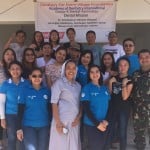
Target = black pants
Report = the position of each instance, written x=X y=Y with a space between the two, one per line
x=96 y=138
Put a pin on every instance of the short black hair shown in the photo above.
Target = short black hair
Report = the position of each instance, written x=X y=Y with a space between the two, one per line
x=112 y=32
x=70 y=29
x=20 y=31
x=91 y=31
x=46 y=43
x=143 y=51
x=128 y=39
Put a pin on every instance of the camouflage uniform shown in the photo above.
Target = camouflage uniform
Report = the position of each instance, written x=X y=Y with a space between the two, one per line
x=141 y=107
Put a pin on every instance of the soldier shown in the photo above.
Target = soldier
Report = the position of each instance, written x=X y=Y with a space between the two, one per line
x=141 y=99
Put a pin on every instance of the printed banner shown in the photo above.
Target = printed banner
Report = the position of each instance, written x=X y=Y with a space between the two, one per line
x=82 y=16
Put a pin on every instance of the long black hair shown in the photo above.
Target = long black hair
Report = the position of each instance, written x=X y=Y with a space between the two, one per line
x=84 y=53
x=101 y=76
x=103 y=67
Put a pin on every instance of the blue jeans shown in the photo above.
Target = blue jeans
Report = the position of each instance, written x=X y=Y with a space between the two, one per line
x=36 y=138
x=11 y=121
x=121 y=117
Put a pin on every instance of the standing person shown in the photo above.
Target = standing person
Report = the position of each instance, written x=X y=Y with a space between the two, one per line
x=66 y=111
x=85 y=60
x=141 y=99
x=54 y=39
x=47 y=59
x=33 y=113
x=113 y=46
x=108 y=67
x=129 y=48
x=7 y=57
x=91 y=45
x=28 y=62
x=71 y=33
x=95 y=100
x=17 y=43
x=53 y=71
x=120 y=87
x=10 y=89
x=37 y=42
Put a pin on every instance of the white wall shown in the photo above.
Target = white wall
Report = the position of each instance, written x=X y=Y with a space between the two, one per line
x=128 y=11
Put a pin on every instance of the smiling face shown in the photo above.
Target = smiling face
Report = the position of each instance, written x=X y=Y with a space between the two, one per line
x=95 y=74
x=38 y=37
x=123 y=67
x=86 y=59
x=20 y=38
x=107 y=60
x=60 y=56
x=9 y=56
x=15 y=71
x=128 y=47
x=71 y=35
x=47 y=50
x=36 y=78
x=91 y=38
x=144 y=59
x=54 y=36
x=113 y=38
x=70 y=71
x=29 y=56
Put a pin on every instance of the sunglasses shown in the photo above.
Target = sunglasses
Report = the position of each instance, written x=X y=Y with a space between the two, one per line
x=130 y=45
x=36 y=76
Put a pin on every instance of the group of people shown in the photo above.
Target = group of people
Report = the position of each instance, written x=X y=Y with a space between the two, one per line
x=73 y=96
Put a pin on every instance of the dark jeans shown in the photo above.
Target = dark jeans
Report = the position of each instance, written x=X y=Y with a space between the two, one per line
x=11 y=121
x=95 y=137
x=121 y=117
x=36 y=138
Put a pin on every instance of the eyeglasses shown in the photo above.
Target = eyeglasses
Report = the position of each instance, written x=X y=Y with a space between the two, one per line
x=130 y=45
x=36 y=76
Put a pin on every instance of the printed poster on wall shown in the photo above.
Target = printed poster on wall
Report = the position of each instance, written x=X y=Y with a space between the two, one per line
x=82 y=16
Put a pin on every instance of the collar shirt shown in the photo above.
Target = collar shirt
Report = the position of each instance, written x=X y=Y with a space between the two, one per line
x=12 y=90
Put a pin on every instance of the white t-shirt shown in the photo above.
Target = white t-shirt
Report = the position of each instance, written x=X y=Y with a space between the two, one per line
x=41 y=62
x=117 y=50
x=18 y=50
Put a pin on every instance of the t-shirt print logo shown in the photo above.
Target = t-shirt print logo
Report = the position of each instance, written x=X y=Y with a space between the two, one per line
x=94 y=94
x=83 y=95
x=45 y=96
x=31 y=97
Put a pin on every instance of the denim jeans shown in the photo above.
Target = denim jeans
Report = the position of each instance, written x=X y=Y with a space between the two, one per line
x=11 y=121
x=36 y=138
x=121 y=117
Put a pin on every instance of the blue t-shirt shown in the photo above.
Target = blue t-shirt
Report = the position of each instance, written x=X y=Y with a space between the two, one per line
x=36 y=113
x=82 y=75
x=12 y=90
x=96 y=50
x=99 y=100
